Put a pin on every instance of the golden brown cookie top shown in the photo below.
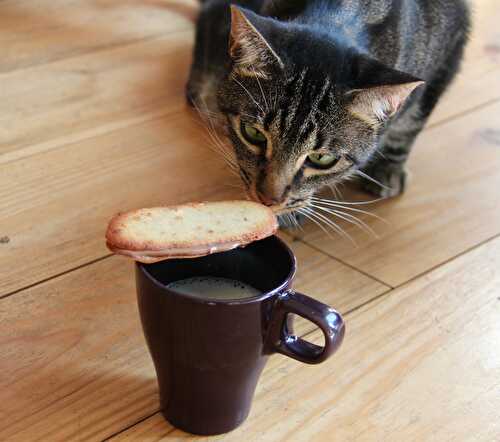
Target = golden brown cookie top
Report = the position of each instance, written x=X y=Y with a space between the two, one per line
x=188 y=230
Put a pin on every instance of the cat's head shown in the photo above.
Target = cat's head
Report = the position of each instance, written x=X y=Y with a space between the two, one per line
x=303 y=111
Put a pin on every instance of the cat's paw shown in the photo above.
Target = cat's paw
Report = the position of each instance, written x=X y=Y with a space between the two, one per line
x=392 y=178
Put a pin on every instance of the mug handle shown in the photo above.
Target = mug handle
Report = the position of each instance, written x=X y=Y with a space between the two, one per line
x=281 y=340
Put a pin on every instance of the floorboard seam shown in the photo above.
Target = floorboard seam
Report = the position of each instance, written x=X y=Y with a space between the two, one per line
x=346 y=314
x=461 y=114
x=446 y=261
x=341 y=261
x=57 y=275
x=177 y=111
x=133 y=425
x=63 y=145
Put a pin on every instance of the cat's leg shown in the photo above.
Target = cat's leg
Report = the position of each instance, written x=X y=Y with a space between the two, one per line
x=196 y=74
x=388 y=167
x=209 y=54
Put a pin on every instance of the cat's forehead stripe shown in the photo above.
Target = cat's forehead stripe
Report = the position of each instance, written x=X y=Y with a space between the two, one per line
x=293 y=95
x=313 y=111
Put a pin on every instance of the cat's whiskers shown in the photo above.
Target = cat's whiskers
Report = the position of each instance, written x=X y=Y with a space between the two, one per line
x=233 y=169
x=296 y=224
x=261 y=90
x=250 y=117
x=217 y=145
x=206 y=112
x=348 y=218
x=310 y=218
x=342 y=209
x=225 y=153
x=319 y=221
x=225 y=148
x=292 y=221
x=212 y=125
x=329 y=223
x=335 y=191
x=218 y=148
x=380 y=154
x=275 y=99
x=373 y=180
x=211 y=140
x=348 y=203
x=249 y=94
x=288 y=219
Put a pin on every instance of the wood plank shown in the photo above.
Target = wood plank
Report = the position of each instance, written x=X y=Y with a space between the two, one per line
x=74 y=362
x=450 y=206
x=136 y=159
x=415 y=365
x=330 y=282
x=476 y=86
x=73 y=347
x=56 y=205
x=119 y=99
x=41 y=31
x=67 y=101
x=479 y=79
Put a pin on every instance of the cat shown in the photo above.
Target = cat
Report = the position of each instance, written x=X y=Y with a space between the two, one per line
x=312 y=92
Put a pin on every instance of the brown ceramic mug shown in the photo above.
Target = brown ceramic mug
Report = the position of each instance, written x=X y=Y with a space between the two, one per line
x=209 y=353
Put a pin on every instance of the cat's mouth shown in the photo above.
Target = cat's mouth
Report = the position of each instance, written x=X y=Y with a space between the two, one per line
x=287 y=207
x=279 y=210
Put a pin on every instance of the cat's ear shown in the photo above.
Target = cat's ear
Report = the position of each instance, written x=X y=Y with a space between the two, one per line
x=251 y=53
x=377 y=104
x=379 y=91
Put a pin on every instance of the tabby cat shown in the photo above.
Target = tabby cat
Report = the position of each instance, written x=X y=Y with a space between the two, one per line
x=311 y=92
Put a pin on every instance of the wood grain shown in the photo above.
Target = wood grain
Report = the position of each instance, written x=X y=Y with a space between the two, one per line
x=56 y=205
x=91 y=110
x=92 y=122
x=106 y=87
x=42 y=31
x=64 y=102
x=417 y=365
x=451 y=204
x=74 y=362
x=330 y=282
x=478 y=82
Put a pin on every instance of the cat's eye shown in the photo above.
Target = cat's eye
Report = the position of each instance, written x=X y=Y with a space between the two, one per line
x=322 y=160
x=253 y=135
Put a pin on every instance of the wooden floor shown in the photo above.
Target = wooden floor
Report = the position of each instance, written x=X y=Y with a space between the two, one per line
x=93 y=120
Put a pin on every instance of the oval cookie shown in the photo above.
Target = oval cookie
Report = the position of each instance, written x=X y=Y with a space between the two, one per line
x=188 y=230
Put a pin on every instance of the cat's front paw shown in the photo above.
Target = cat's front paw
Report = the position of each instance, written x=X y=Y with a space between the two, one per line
x=392 y=179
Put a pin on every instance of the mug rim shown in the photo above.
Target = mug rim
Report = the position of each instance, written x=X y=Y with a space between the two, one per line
x=257 y=298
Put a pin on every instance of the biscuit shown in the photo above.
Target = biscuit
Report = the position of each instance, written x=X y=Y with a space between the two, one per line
x=188 y=230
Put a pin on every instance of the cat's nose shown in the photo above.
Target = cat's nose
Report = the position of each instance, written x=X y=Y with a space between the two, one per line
x=266 y=200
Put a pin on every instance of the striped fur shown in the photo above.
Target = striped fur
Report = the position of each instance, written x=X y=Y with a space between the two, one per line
x=326 y=76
